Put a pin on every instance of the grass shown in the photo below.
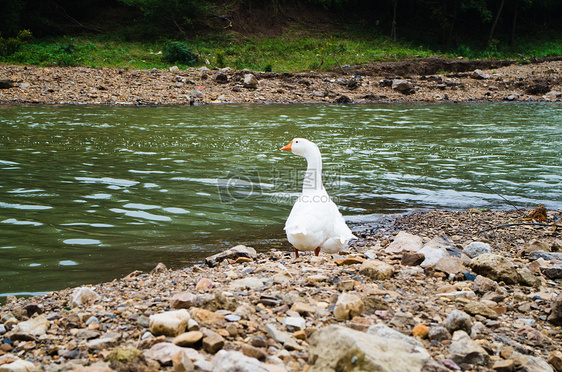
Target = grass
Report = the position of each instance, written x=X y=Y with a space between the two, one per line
x=292 y=52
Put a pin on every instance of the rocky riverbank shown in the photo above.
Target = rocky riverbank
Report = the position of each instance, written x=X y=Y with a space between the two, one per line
x=432 y=291
x=411 y=81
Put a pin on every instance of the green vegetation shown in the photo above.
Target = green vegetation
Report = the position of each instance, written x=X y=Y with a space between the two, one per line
x=161 y=33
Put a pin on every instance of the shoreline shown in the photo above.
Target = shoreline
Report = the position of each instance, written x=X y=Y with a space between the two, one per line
x=537 y=82
x=501 y=299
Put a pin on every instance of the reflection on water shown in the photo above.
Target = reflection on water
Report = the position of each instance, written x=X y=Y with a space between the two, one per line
x=88 y=194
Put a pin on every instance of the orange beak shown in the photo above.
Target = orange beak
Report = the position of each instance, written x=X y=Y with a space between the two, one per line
x=287 y=147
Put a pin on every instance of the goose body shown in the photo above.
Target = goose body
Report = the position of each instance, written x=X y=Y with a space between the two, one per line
x=315 y=223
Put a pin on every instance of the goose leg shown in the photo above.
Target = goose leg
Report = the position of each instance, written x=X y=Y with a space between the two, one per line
x=317 y=251
x=296 y=253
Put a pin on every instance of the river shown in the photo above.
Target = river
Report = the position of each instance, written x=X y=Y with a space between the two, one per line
x=91 y=193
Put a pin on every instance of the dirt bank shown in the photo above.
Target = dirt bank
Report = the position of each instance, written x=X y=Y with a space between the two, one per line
x=429 y=80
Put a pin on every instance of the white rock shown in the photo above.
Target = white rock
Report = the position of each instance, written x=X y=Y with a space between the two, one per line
x=249 y=282
x=250 y=81
x=228 y=361
x=18 y=366
x=163 y=352
x=294 y=323
x=83 y=295
x=405 y=242
x=333 y=348
x=348 y=306
x=33 y=327
x=475 y=249
x=383 y=331
x=170 y=323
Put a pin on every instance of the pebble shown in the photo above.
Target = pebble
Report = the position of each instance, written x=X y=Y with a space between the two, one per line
x=264 y=324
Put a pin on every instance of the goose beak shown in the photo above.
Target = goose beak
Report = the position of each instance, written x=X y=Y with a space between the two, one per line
x=287 y=147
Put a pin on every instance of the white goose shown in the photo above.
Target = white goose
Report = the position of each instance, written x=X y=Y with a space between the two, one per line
x=315 y=223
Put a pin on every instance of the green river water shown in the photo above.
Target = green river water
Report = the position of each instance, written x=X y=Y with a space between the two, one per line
x=91 y=193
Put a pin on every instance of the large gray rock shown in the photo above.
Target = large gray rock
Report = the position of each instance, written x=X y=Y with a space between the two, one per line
x=495 y=267
x=229 y=361
x=402 y=86
x=348 y=306
x=163 y=353
x=30 y=329
x=548 y=256
x=250 y=81
x=232 y=253
x=338 y=348
x=464 y=350
x=476 y=249
x=458 y=320
x=81 y=296
x=555 y=316
x=405 y=242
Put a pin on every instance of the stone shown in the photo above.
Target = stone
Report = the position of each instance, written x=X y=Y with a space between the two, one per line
x=458 y=320
x=19 y=365
x=484 y=285
x=109 y=339
x=294 y=323
x=212 y=342
x=348 y=306
x=402 y=86
x=552 y=272
x=254 y=352
x=405 y=242
x=31 y=328
x=158 y=269
x=303 y=309
x=170 y=323
x=248 y=282
x=479 y=75
x=188 y=339
x=182 y=363
x=344 y=261
x=376 y=270
x=208 y=318
x=81 y=296
x=163 y=352
x=495 y=267
x=555 y=360
x=6 y=83
x=229 y=361
x=464 y=350
x=420 y=331
x=513 y=96
x=275 y=334
x=449 y=265
x=221 y=78
x=528 y=363
x=383 y=331
x=183 y=300
x=548 y=256
x=527 y=278
x=476 y=249
x=347 y=347
x=439 y=333
x=479 y=308
x=412 y=259
x=504 y=366
x=250 y=81
x=552 y=96
x=232 y=253
x=126 y=359
x=204 y=284
x=555 y=316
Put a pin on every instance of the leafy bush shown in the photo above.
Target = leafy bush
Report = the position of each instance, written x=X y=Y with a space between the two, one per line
x=12 y=44
x=176 y=51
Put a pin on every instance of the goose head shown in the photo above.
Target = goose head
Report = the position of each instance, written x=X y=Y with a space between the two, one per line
x=302 y=147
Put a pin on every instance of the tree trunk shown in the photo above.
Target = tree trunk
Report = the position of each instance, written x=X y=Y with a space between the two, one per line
x=495 y=22
x=393 y=29
x=514 y=23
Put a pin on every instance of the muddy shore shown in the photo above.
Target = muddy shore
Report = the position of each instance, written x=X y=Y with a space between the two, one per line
x=449 y=290
x=411 y=81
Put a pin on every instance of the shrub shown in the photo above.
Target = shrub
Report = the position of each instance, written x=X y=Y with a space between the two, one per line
x=176 y=51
